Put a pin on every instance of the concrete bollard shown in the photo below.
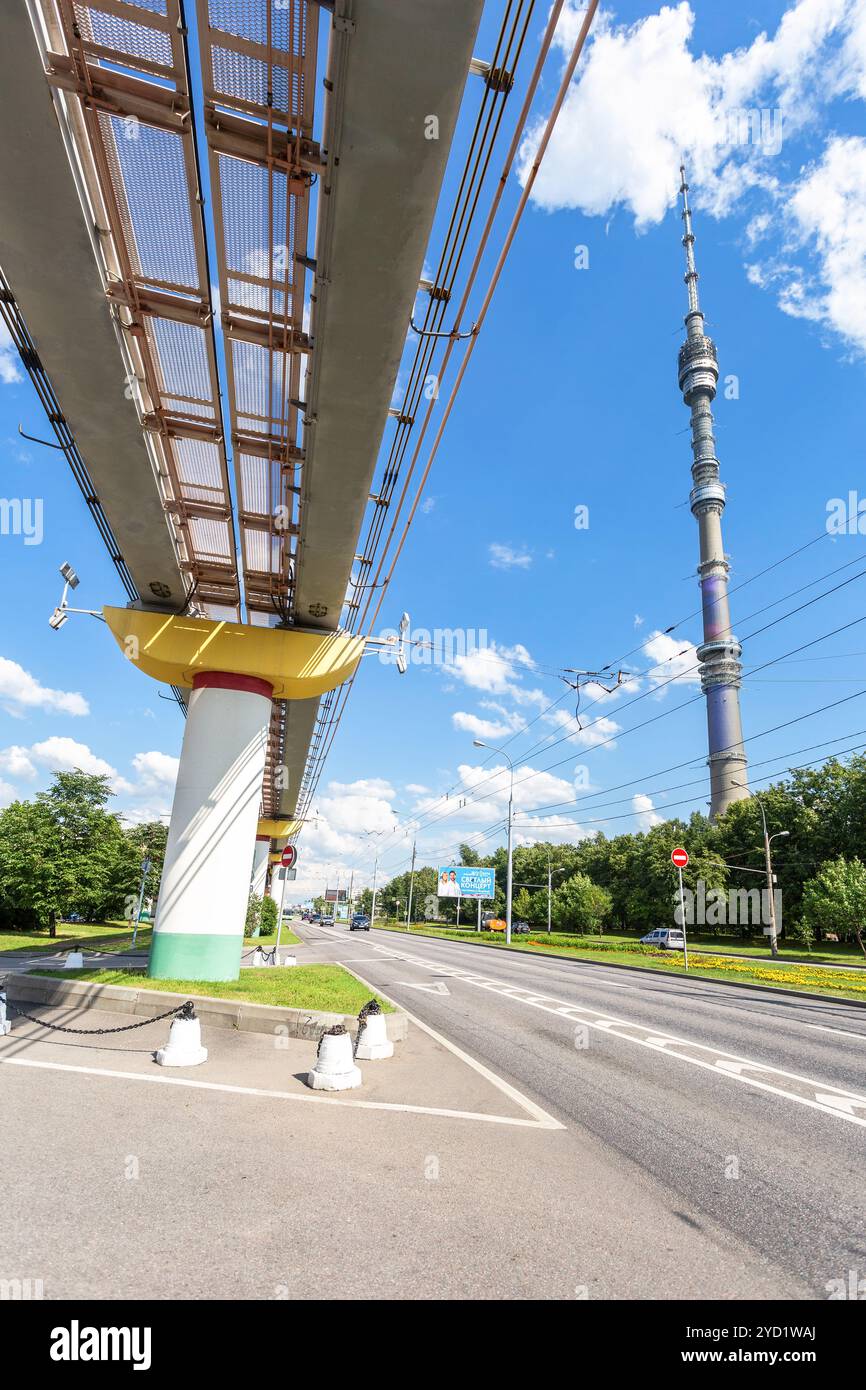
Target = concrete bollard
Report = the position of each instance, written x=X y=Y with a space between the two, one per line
x=5 y=1024
x=258 y=956
x=184 y=1047
x=289 y=960
x=335 y=1068
x=74 y=961
x=373 y=1041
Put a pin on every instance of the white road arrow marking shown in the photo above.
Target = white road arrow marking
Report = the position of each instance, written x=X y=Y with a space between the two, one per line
x=436 y=988
x=840 y=1102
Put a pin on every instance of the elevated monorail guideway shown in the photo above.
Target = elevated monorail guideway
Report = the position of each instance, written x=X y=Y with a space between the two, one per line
x=238 y=535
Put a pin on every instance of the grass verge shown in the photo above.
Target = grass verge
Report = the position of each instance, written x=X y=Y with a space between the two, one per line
x=115 y=937
x=796 y=975
x=326 y=987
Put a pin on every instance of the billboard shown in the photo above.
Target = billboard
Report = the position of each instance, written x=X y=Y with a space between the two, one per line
x=458 y=881
x=333 y=895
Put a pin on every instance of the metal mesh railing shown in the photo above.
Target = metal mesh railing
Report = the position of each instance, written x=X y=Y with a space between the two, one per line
x=122 y=94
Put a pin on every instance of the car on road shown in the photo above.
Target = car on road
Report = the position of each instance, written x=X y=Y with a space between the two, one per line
x=360 y=922
x=665 y=938
x=520 y=928
x=326 y=921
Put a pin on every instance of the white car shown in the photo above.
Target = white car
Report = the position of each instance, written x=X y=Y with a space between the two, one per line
x=666 y=938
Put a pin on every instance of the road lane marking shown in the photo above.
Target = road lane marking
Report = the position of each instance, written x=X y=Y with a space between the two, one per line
x=802 y=1090
x=541 y=1118
x=257 y=1091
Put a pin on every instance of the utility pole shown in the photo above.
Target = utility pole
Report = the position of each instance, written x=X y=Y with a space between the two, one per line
x=479 y=743
x=411 y=888
x=373 y=904
x=351 y=894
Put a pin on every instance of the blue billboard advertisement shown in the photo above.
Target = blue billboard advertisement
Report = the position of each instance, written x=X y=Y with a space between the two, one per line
x=458 y=881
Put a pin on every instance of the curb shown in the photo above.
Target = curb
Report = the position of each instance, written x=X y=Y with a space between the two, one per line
x=216 y=1013
x=637 y=969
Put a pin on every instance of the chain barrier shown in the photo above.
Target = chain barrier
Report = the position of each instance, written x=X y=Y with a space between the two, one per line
x=371 y=1007
x=268 y=955
x=336 y=1031
x=185 y=1011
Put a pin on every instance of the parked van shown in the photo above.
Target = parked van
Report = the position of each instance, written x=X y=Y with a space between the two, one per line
x=666 y=938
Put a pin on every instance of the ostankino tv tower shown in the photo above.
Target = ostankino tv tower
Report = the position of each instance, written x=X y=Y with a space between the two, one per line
x=719 y=653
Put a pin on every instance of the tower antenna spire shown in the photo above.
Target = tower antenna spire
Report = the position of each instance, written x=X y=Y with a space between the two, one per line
x=719 y=653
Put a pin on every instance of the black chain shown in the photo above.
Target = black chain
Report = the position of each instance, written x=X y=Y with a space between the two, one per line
x=371 y=1007
x=336 y=1032
x=185 y=1011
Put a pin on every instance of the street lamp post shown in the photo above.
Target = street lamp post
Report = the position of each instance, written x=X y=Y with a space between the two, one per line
x=411 y=890
x=779 y=835
x=480 y=744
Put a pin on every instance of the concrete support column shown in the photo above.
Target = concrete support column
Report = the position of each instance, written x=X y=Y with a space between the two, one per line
x=198 y=934
x=260 y=865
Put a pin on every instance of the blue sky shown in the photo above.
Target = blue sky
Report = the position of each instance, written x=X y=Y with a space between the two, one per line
x=571 y=400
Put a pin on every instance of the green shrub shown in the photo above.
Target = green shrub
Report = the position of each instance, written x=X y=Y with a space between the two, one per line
x=268 y=918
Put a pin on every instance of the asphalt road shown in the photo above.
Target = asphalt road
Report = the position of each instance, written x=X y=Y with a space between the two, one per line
x=745 y=1111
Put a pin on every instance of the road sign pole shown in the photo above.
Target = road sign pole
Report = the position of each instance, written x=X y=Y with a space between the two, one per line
x=683 y=915
x=280 y=920
x=679 y=859
x=145 y=870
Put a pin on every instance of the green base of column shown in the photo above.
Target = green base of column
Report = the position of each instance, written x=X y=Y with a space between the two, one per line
x=194 y=956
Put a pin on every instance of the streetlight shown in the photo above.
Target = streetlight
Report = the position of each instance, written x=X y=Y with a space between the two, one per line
x=779 y=835
x=479 y=743
x=550 y=874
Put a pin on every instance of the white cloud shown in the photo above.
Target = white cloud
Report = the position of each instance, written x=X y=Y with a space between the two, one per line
x=60 y=754
x=10 y=369
x=492 y=669
x=25 y=692
x=675 y=660
x=506 y=557
x=16 y=761
x=151 y=792
x=553 y=829
x=479 y=728
x=365 y=786
x=645 y=813
x=8 y=794
x=590 y=731
x=827 y=212
x=607 y=151
x=350 y=809
x=416 y=788
x=156 y=769
x=729 y=117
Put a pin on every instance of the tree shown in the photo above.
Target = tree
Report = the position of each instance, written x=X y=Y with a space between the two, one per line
x=522 y=905
x=580 y=905
x=64 y=853
x=148 y=841
x=835 y=899
x=268 y=917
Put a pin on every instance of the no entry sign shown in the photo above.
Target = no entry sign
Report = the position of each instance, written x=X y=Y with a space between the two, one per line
x=288 y=857
x=679 y=857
